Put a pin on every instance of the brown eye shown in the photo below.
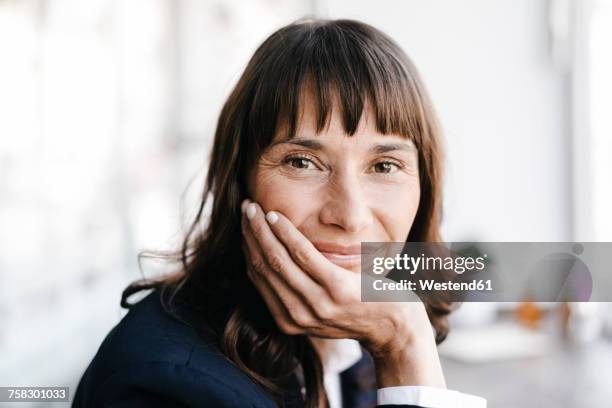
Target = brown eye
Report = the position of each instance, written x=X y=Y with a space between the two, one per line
x=299 y=162
x=385 y=167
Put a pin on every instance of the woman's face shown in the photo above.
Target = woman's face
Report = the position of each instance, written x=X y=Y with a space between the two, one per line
x=340 y=190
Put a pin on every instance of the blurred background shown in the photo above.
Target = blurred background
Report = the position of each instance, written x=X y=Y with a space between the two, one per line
x=107 y=111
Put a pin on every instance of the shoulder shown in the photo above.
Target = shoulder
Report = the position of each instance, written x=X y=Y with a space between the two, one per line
x=152 y=359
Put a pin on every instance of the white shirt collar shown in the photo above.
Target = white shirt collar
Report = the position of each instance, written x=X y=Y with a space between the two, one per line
x=340 y=354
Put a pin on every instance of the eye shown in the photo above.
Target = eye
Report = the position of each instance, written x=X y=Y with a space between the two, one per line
x=300 y=162
x=386 y=167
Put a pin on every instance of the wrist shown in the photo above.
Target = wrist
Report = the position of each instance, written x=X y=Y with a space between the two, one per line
x=410 y=358
x=409 y=330
x=410 y=366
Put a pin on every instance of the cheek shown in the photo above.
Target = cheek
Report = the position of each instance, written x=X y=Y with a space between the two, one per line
x=294 y=199
x=396 y=209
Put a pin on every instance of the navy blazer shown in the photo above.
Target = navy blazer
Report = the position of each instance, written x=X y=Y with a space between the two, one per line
x=150 y=359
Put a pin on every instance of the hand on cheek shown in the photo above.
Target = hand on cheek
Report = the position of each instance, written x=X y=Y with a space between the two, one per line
x=294 y=298
x=307 y=294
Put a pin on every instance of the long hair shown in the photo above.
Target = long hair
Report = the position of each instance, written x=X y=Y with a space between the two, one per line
x=347 y=64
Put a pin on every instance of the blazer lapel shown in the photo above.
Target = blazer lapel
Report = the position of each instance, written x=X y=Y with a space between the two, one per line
x=358 y=383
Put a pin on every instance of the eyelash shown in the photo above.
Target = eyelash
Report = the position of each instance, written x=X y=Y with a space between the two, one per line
x=289 y=159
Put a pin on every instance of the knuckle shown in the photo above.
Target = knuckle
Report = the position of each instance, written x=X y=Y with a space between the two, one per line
x=301 y=317
x=258 y=264
x=275 y=262
x=325 y=311
x=302 y=256
x=341 y=294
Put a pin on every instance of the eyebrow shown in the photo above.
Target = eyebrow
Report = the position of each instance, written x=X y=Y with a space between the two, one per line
x=389 y=147
x=378 y=149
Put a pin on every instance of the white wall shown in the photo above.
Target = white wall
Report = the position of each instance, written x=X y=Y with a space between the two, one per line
x=503 y=104
x=108 y=108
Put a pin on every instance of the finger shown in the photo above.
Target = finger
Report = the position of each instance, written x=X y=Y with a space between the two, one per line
x=298 y=312
x=303 y=252
x=321 y=320
x=279 y=259
x=277 y=309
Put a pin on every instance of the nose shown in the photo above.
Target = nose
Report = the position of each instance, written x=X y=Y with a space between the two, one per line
x=347 y=206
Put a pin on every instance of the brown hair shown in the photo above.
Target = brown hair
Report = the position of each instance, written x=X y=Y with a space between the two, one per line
x=346 y=64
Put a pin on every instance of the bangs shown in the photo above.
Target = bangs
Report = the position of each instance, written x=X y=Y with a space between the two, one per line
x=343 y=67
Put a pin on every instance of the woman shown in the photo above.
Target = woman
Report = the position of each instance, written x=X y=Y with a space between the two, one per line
x=327 y=140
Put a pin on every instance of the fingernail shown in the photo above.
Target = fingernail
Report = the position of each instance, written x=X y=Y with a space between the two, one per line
x=243 y=205
x=272 y=217
x=251 y=210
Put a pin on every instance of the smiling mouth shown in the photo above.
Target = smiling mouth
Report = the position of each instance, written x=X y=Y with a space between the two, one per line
x=346 y=256
x=343 y=260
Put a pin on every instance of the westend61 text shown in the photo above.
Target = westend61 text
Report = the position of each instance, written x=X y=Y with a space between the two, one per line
x=431 y=285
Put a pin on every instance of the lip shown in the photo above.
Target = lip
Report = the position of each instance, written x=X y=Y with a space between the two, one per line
x=345 y=256
x=331 y=247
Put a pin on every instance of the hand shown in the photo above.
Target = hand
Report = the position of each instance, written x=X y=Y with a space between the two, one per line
x=308 y=294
